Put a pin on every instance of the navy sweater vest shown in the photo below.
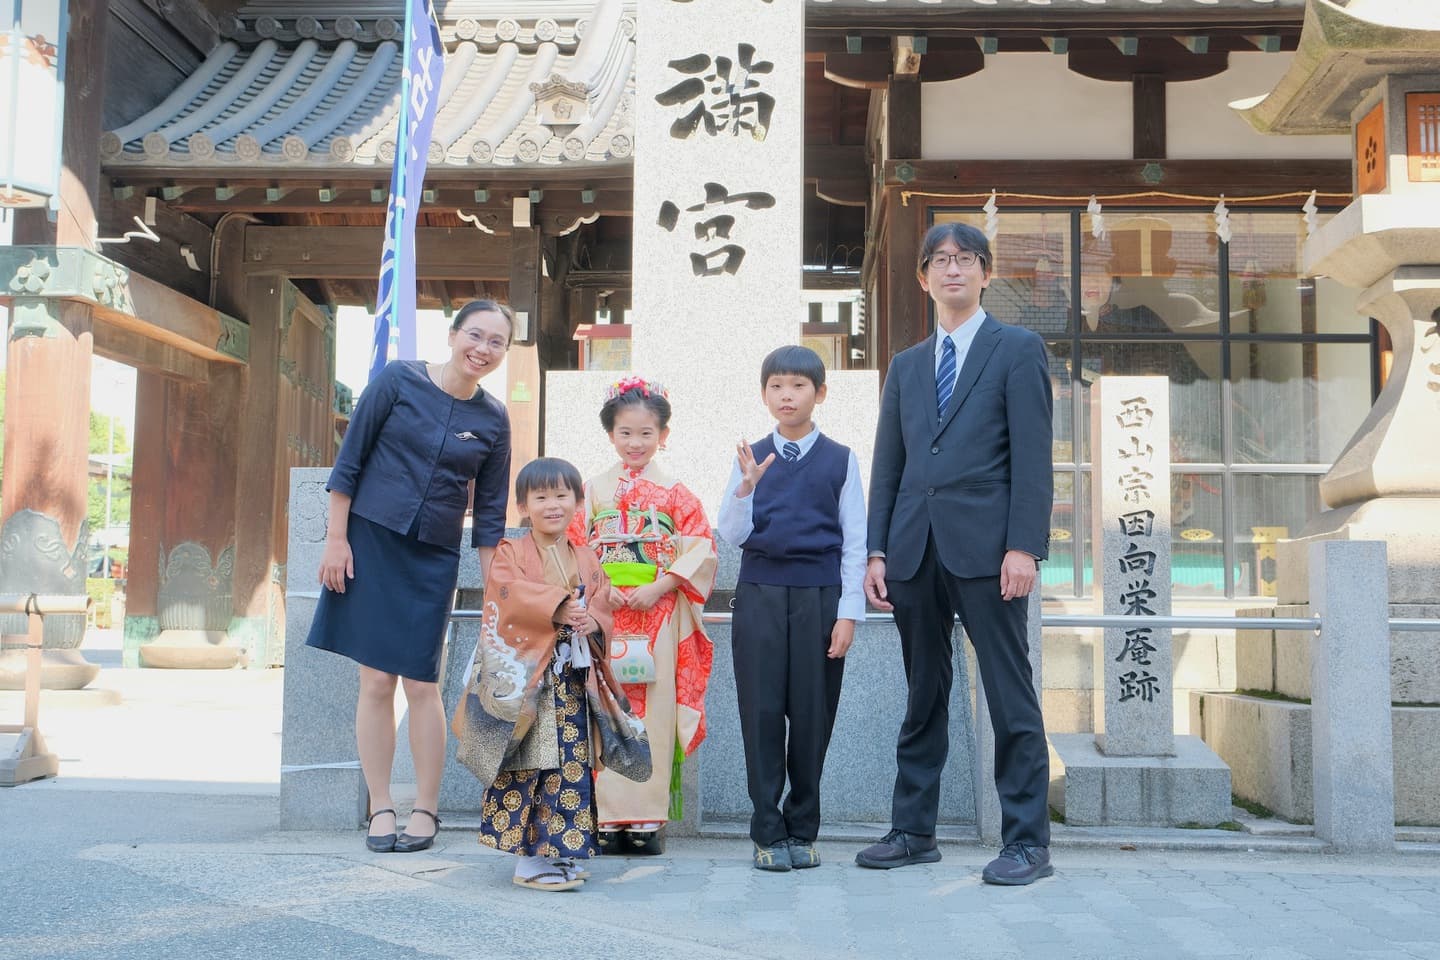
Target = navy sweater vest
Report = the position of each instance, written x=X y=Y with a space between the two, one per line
x=796 y=510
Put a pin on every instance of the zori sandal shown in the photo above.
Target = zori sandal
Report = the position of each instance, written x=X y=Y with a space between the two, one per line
x=563 y=881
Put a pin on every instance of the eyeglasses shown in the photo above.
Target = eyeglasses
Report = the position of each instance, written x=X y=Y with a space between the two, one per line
x=477 y=338
x=965 y=258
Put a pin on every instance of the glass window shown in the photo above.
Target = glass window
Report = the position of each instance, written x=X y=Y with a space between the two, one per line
x=1296 y=352
x=1297 y=402
x=1268 y=507
x=1030 y=282
x=1269 y=291
x=1194 y=372
x=1150 y=273
x=1197 y=522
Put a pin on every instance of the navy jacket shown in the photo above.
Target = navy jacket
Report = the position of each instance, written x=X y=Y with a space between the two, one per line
x=980 y=480
x=411 y=451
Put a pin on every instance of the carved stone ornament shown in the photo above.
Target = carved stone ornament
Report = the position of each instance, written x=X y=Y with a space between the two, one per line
x=34 y=558
x=194 y=594
x=560 y=104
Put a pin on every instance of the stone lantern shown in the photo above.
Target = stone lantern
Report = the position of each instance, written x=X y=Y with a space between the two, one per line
x=1370 y=68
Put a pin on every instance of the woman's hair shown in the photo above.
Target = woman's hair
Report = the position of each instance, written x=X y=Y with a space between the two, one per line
x=635 y=391
x=965 y=237
x=548 y=473
x=793 y=360
x=485 y=306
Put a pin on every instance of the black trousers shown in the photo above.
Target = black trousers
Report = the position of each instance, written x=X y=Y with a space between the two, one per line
x=925 y=607
x=780 y=636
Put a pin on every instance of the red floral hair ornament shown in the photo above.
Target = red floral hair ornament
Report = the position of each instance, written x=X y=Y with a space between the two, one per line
x=635 y=382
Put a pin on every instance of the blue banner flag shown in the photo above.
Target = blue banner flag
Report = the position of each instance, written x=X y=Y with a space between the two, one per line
x=419 y=96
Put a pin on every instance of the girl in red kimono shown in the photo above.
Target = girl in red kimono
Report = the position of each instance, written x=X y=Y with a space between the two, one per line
x=654 y=543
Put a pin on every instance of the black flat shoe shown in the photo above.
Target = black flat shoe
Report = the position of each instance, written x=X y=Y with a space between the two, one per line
x=385 y=843
x=644 y=843
x=409 y=844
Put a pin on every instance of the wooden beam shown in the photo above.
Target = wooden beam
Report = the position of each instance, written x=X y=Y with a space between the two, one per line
x=525 y=282
x=1057 y=45
x=147 y=354
x=1265 y=43
x=1101 y=60
x=902 y=119
x=1195 y=44
x=865 y=71
x=156 y=312
x=907 y=60
x=1148 y=104
x=442 y=253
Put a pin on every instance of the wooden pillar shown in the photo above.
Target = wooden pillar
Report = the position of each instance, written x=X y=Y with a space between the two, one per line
x=43 y=525
x=902 y=118
x=189 y=455
x=147 y=516
x=906 y=318
x=261 y=477
x=1148 y=101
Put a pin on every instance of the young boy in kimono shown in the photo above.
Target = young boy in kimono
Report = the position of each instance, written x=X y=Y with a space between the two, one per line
x=795 y=507
x=541 y=708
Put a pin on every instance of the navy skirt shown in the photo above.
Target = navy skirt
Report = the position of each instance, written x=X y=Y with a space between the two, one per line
x=392 y=616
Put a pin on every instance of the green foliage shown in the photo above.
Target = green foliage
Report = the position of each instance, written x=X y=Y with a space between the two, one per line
x=101 y=592
x=100 y=445
x=1251 y=807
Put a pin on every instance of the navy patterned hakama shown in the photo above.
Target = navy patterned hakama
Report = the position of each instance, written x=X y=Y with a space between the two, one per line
x=548 y=813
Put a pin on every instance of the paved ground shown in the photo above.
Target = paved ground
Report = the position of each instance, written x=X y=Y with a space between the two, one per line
x=159 y=841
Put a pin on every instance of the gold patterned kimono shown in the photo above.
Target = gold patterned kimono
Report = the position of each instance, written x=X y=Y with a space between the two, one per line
x=641 y=525
x=532 y=730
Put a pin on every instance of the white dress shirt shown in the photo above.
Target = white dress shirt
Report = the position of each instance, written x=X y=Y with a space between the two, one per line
x=737 y=521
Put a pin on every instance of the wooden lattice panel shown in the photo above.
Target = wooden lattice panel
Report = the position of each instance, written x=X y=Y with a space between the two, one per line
x=1370 y=151
x=1422 y=118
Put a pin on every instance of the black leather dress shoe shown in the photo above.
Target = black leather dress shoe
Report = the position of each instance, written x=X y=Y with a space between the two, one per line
x=385 y=842
x=1017 y=865
x=899 y=849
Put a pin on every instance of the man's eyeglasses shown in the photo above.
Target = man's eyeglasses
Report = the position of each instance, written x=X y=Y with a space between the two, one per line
x=496 y=344
x=964 y=258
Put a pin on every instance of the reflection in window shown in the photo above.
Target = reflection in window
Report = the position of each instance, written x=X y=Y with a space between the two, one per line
x=1151 y=298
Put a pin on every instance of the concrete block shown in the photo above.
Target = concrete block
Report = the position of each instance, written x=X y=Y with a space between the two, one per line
x=1254 y=656
x=1293 y=650
x=1415 y=657
x=1070 y=659
x=320 y=782
x=1199 y=661
x=1416 y=735
x=1350 y=693
x=1191 y=787
x=1410 y=529
x=1068 y=711
x=860 y=766
x=1266 y=744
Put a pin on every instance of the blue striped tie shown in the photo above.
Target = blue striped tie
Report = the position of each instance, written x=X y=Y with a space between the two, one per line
x=791 y=450
x=945 y=376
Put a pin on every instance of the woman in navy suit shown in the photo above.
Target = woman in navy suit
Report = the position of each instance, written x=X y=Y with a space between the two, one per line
x=420 y=435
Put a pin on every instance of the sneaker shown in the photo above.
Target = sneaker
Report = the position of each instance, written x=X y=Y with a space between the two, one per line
x=775 y=858
x=899 y=849
x=1018 y=864
x=802 y=854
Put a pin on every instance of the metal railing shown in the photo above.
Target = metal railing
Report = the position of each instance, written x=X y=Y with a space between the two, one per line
x=1099 y=621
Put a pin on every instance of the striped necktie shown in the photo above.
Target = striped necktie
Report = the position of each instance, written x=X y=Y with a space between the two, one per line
x=791 y=451
x=945 y=376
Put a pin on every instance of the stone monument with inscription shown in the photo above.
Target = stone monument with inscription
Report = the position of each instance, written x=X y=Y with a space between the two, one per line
x=1134 y=770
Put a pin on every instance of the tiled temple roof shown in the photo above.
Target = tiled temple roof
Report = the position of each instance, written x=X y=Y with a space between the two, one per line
x=320 y=90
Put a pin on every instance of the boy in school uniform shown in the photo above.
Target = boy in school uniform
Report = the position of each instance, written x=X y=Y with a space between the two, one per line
x=795 y=507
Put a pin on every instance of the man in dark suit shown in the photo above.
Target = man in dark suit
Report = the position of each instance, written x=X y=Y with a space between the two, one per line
x=960 y=497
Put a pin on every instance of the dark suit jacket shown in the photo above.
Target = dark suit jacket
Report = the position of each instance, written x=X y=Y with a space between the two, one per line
x=981 y=480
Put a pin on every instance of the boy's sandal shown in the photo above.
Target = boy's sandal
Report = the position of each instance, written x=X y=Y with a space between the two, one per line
x=405 y=843
x=570 y=868
x=538 y=882
x=384 y=843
